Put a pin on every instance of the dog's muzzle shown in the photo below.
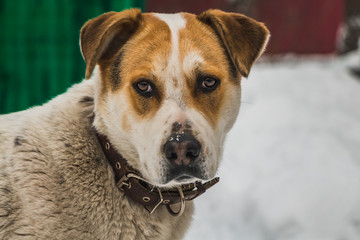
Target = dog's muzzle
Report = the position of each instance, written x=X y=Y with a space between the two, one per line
x=141 y=191
x=182 y=152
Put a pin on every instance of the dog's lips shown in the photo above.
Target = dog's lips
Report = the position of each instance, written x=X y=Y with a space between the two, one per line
x=183 y=173
x=183 y=178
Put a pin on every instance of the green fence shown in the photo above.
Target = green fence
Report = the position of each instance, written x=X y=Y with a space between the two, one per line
x=39 y=47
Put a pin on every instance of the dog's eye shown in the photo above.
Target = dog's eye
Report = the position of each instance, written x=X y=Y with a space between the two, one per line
x=144 y=87
x=209 y=84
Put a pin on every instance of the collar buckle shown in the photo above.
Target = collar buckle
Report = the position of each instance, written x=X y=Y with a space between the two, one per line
x=124 y=182
x=158 y=204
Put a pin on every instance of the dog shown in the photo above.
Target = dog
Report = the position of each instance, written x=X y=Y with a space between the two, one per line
x=119 y=153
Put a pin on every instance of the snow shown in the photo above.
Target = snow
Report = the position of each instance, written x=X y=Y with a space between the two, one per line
x=291 y=168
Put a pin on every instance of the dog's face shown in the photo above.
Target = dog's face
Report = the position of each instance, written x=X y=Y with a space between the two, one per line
x=169 y=86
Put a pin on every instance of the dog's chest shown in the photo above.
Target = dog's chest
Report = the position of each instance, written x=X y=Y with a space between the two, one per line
x=61 y=185
x=94 y=202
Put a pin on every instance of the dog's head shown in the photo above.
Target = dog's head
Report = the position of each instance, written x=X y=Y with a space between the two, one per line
x=169 y=86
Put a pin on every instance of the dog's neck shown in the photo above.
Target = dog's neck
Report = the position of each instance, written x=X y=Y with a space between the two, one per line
x=139 y=190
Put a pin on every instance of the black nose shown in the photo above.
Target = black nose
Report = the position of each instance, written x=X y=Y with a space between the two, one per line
x=182 y=150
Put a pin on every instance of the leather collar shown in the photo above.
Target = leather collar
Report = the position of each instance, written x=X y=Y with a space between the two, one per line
x=139 y=190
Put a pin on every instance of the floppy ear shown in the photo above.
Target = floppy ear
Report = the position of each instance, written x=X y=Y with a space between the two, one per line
x=102 y=37
x=243 y=38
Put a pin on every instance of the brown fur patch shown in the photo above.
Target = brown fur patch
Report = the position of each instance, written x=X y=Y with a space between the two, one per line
x=243 y=37
x=103 y=36
x=151 y=43
x=200 y=38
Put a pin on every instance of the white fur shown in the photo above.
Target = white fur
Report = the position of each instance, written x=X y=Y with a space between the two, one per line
x=173 y=73
x=175 y=22
x=191 y=61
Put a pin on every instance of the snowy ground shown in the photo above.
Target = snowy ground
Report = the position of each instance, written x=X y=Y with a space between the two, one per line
x=291 y=168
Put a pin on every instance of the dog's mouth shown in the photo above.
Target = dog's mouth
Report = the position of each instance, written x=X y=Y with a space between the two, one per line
x=183 y=181
x=183 y=178
x=179 y=181
x=183 y=174
x=176 y=177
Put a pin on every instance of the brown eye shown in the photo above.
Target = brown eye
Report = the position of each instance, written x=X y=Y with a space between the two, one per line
x=208 y=84
x=144 y=88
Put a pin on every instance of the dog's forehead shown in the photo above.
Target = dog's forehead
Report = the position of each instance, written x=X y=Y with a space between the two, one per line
x=177 y=44
x=175 y=22
x=173 y=74
x=190 y=39
x=170 y=47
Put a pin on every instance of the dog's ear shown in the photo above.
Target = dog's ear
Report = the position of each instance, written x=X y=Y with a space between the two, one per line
x=243 y=38
x=103 y=36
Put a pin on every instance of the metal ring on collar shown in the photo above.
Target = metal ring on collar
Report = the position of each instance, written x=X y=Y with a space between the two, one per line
x=182 y=204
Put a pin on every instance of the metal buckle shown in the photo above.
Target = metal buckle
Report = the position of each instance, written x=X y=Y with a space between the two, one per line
x=122 y=182
x=182 y=204
x=158 y=204
x=133 y=175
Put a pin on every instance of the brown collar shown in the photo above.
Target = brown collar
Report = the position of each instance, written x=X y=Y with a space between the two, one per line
x=139 y=190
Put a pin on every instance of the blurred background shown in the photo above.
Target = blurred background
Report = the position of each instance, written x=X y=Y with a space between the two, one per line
x=41 y=56
x=291 y=168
